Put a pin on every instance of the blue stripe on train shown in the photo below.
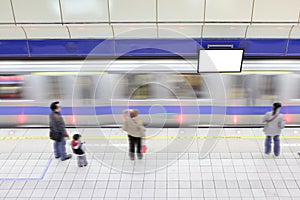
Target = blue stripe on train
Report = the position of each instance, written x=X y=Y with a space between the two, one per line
x=107 y=110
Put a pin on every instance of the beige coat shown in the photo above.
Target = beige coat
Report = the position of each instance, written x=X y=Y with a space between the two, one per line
x=133 y=126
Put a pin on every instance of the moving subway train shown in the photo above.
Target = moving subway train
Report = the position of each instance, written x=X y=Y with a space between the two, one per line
x=167 y=92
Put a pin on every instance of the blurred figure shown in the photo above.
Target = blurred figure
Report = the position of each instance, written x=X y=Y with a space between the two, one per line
x=133 y=125
x=273 y=124
x=58 y=132
x=79 y=149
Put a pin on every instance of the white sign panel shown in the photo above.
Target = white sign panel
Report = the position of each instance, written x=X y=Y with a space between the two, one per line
x=220 y=60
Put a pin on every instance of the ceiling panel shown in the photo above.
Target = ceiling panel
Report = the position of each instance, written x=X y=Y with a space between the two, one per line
x=179 y=10
x=46 y=32
x=132 y=10
x=90 y=31
x=225 y=31
x=36 y=11
x=179 y=30
x=268 y=31
x=228 y=10
x=135 y=31
x=11 y=33
x=84 y=10
x=6 y=14
x=295 y=33
x=276 y=10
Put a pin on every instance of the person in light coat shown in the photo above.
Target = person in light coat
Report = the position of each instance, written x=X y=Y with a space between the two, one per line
x=274 y=123
x=133 y=125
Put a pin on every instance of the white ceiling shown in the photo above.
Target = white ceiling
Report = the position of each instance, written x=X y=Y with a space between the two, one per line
x=37 y=19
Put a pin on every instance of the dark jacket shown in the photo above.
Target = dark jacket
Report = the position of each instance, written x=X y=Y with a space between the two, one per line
x=57 y=126
x=77 y=147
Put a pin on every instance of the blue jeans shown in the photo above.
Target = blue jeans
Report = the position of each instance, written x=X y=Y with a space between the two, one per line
x=60 y=149
x=268 y=143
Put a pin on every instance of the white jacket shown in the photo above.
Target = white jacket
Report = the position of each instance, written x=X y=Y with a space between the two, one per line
x=273 y=127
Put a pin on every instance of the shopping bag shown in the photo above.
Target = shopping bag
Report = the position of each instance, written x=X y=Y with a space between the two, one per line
x=144 y=148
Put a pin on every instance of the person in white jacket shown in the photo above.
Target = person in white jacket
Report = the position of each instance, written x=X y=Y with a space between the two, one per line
x=274 y=123
x=133 y=125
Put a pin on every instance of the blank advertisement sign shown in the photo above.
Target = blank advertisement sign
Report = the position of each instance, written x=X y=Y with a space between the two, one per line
x=220 y=60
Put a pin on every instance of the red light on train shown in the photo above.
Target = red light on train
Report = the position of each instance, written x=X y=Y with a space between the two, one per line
x=73 y=120
x=235 y=119
x=180 y=118
x=288 y=118
x=22 y=119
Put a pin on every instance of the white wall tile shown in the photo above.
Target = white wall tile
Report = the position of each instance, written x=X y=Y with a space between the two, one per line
x=276 y=10
x=225 y=31
x=132 y=10
x=11 y=33
x=90 y=31
x=295 y=33
x=84 y=10
x=228 y=10
x=268 y=31
x=179 y=30
x=135 y=31
x=46 y=32
x=6 y=14
x=180 y=10
x=37 y=11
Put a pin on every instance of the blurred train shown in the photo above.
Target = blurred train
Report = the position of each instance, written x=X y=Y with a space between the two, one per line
x=167 y=92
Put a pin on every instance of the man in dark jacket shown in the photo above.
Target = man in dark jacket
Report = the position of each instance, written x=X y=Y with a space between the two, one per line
x=58 y=132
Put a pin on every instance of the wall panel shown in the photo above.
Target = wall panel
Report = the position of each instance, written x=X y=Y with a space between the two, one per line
x=90 y=31
x=47 y=32
x=228 y=10
x=276 y=11
x=6 y=13
x=132 y=10
x=37 y=11
x=84 y=10
x=180 y=11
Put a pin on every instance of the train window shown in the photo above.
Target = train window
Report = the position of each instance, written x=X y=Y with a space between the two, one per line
x=138 y=86
x=84 y=87
x=267 y=87
x=186 y=85
x=55 y=87
x=11 y=87
x=238 y=87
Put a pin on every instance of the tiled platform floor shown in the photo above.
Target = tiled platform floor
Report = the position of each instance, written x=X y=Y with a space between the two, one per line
x=180 y=164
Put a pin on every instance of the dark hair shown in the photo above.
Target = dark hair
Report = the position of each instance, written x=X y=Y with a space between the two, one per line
x=134 y=113
x=54 y=106
x=76 y=136
x=275 y=107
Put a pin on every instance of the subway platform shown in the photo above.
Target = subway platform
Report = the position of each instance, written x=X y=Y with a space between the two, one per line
x=179 y=164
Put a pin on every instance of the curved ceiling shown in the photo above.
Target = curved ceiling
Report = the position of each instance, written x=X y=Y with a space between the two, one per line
x=36 y=19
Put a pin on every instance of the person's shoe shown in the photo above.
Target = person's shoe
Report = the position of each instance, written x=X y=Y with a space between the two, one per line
x=298 y=153
x=131 y=156
x=140 y=156
x=275 y=156
x=80 y=166
x=57 y=157
x=67 y=157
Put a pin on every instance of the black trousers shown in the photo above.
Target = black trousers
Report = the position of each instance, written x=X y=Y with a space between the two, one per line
x=135 y=142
